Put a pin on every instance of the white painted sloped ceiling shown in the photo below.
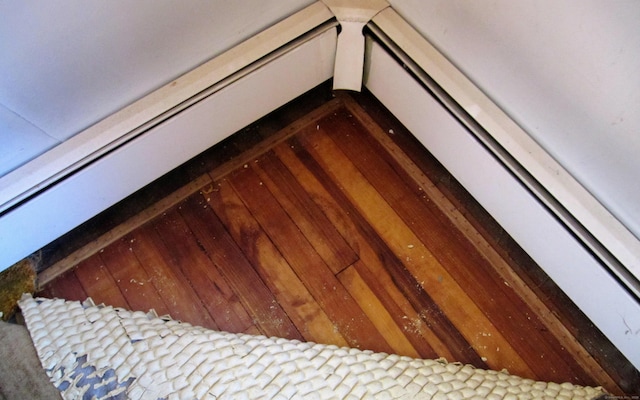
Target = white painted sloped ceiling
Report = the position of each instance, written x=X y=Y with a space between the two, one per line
x=66 y=64
x=566 y=70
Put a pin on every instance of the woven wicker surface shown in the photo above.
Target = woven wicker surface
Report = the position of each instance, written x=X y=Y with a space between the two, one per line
x=105 y=352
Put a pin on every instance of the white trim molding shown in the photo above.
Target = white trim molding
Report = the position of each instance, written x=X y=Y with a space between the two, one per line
x=529 y=217
x=352 y=15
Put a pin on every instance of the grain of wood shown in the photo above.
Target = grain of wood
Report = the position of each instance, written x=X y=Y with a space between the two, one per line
x=349 y=319
x=432 y=276
x=233 y=264
x=166 y=275
x=498 y=264
x=135 y=284
x=304 y=311
x=67 y=286
x=479 y=277
x=375 y=256
x=313 y=223
x=451 y=249
x=377 y=313
x=99 y=283
x=212 y=287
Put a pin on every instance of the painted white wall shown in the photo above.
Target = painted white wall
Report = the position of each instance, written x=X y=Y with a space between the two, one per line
x=20 y=141
x=565 y=70
x=66 y=64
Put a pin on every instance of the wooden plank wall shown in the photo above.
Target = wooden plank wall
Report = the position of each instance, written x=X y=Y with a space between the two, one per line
x=340 y=229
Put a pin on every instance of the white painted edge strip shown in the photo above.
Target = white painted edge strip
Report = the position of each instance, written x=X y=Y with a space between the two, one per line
x=45 y=217
x=37 y=174
x=607 y=229
x=564 y=259
x=352 y=15
x=347 y=74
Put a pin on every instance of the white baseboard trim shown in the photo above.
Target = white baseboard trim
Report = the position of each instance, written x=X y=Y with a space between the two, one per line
x=48 y=215
x=536 y=230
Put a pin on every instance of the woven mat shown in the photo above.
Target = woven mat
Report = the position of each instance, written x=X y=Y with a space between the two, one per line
x=102 y=352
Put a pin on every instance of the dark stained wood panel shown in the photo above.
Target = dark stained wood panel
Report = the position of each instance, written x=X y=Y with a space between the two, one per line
x=135 y=284
x=67 y=287
x=336 y=227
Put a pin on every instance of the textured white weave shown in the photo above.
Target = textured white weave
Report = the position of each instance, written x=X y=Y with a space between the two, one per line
x=104 y=352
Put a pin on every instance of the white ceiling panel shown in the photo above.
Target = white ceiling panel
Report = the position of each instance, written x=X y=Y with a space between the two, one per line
x=65 y=64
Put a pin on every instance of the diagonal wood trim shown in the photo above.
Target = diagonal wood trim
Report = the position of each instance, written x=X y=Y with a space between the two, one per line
x=113 y=235
x=272 y=141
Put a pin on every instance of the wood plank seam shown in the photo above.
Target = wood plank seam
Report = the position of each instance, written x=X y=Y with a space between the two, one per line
x=111 y=236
